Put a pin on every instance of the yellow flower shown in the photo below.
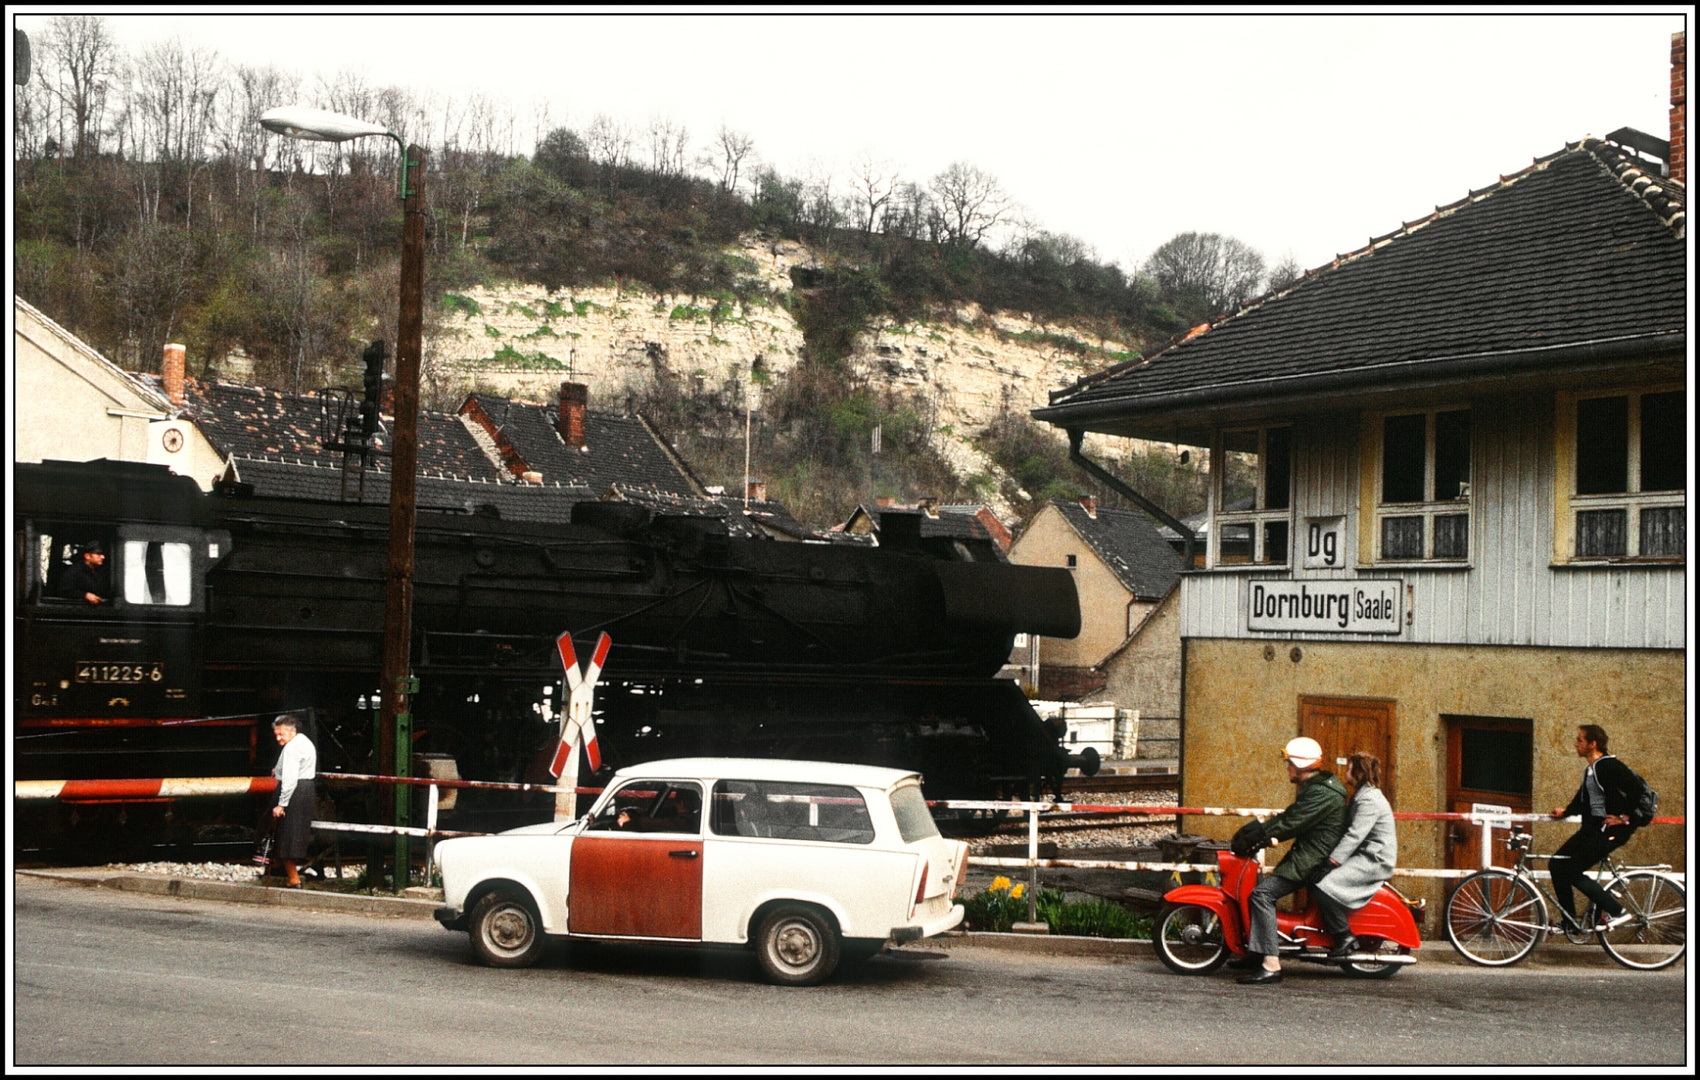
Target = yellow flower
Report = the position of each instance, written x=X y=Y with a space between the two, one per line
x=1015 y=893
x=999 y=884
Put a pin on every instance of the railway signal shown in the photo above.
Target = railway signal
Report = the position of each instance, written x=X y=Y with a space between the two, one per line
x=576 y=725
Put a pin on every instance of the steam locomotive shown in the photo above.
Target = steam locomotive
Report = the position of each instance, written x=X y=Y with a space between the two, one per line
x=228 y=608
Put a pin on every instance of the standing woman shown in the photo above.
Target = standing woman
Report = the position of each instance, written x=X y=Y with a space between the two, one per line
x=296 y=766
x=1363 y=858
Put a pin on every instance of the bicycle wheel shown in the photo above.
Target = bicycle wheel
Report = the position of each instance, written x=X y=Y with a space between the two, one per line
x=1656 y=934
x=1495 y=918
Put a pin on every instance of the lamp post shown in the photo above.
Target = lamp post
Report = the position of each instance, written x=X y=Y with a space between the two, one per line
x=395 y=719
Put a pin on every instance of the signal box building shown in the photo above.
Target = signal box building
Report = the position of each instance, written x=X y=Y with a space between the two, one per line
x=1448 y=511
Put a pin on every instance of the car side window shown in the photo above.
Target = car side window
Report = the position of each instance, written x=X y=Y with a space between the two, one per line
x=652 y=806
x=783 y=811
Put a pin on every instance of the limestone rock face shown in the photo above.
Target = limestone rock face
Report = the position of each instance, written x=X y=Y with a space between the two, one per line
x=522 y=341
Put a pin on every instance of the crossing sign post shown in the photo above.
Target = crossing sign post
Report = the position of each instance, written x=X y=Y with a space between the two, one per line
x=576 y=724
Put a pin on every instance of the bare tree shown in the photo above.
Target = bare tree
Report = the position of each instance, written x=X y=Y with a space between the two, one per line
x=969 y=203
x=669 y=142
x=1203 y=274
x=83 y=64
x=1285 y=272
x=873 y=182
x=730 y=150
x=609 y=141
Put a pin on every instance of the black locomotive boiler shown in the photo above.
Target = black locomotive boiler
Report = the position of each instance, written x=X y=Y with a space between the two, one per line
x=228 y=608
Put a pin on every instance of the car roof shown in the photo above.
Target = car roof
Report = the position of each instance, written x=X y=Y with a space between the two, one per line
x=798 y=772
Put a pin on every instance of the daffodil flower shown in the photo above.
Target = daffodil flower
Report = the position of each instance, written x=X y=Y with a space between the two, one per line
x=999 y=884
x=1015 y=893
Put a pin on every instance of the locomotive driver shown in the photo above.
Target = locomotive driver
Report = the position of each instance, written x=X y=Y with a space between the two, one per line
x=87 y=578
x=1314 y=823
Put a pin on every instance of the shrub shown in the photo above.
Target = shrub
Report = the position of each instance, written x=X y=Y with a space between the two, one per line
x=466 y=305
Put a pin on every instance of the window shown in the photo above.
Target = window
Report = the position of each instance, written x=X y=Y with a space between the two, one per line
x=782 y=811
x=157 y=572
x=58 y=550
x=1253 y=496
x=1420 y=465
x=1073 y=561
x=1623 y=475
x=914 y=820
x=653 y=806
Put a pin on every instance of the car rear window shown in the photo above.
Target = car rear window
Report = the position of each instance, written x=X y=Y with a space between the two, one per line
x=781 y=811
x=914 y=820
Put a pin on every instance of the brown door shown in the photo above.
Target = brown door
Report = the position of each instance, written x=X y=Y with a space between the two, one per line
x=1489 y=759
x=1345 y=726
x=636 y=871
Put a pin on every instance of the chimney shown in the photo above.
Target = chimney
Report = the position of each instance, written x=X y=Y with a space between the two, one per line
x=928 y=505
x=755 y=491
x=172 y=373
x=885 y=501
x=1090 y=505
x=1679 y=107
x=571 y=421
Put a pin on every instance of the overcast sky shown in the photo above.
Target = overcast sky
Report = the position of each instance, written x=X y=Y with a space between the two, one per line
x=1298 y=133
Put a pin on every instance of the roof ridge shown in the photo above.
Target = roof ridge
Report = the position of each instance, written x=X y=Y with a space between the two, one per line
x=1650 y=190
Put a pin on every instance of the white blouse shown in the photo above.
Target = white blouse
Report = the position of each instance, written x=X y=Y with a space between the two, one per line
x=299 y=761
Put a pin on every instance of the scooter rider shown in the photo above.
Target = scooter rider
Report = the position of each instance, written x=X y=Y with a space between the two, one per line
x=1364 y=857
x=1314 y=823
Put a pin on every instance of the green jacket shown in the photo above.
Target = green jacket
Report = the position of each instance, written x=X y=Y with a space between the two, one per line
x=1314 y=823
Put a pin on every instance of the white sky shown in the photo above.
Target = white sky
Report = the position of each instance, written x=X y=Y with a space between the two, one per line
x=1298 y=132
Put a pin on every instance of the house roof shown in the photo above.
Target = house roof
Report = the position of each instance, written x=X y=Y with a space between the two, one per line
x=321 y=481
x=1578 y=257
x=620 y=450
x=1127 y=542
x=258 y=422
x=65 y=345
x=760 y=521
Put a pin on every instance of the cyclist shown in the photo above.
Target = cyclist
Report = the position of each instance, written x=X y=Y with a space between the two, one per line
x=1609 y=793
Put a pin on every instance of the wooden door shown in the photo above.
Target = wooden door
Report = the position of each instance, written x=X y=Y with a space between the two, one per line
x=1489 y=759
x=1345 y=726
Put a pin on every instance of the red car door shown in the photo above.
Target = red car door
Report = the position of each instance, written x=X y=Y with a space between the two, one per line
x=641 y=874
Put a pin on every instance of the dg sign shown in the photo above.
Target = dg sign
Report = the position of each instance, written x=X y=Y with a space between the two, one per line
x=1364 y=606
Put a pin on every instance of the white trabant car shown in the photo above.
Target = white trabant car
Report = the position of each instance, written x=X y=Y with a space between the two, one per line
x=803 y=861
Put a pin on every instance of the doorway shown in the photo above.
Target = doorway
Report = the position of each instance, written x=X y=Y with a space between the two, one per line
x=1489 y=759
x=1344 y=726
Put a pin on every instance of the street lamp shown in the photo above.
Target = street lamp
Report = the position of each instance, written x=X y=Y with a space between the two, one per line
x=395 y=720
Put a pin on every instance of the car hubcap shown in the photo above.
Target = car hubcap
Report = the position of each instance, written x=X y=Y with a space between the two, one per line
x=796 y=944
x=509 y=929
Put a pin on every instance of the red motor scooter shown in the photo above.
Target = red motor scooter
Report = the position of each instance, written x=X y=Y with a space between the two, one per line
x=1200 y=925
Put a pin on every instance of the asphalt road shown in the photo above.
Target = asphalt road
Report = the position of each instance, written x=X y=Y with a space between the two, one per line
x=114 y=978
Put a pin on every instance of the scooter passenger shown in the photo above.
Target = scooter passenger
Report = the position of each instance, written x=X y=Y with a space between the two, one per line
x=1363 y=858
x=1314 y=823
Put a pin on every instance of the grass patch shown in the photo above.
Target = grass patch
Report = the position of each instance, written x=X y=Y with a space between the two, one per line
x=466 y=305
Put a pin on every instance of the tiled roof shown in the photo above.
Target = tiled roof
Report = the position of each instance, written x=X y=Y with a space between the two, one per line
x=617 y=449
x=319 y=481
x=1128 y=544
x=1579 y=249
x=741 y=523
x=258 y=422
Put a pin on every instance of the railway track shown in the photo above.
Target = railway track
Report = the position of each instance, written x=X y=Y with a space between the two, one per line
x=1119 y=782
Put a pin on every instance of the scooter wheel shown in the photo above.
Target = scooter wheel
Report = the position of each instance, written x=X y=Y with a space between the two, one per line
x=1371 y=970
x=1189 y=940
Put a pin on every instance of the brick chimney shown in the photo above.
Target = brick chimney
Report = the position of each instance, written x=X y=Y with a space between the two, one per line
x=171 y=372
x=1089 y=503
x=571 y=421
x=1679 y=107
x=755 y=491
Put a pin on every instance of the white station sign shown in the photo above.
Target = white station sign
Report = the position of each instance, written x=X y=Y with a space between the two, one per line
x=1364 y=606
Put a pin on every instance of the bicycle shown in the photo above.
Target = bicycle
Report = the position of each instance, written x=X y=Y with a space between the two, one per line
x=1497 y=916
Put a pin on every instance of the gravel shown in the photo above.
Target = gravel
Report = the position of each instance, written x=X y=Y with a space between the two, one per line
x=212 y=871
x=1096 y=832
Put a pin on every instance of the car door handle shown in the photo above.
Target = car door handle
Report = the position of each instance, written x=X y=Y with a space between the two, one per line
x=684 y=854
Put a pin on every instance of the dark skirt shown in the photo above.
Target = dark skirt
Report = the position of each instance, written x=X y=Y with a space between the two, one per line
x=296 y=826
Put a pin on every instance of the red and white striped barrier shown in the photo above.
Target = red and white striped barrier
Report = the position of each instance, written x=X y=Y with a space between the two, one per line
x=143 y=790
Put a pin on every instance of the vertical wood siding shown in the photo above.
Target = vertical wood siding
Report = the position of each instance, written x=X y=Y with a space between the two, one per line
x=1510 y=595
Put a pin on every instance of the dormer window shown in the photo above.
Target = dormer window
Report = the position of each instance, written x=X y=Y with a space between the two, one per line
x=1252 y=496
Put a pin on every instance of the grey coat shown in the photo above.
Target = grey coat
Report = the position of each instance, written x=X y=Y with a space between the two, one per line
x=1366 y=851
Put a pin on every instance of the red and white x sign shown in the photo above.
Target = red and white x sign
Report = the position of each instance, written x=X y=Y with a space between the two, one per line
x=581 y=686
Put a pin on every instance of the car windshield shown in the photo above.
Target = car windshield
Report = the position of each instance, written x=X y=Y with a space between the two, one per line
x=914 y=820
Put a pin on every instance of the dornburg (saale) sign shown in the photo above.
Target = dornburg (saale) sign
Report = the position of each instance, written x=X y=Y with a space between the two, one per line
x=1364 y=606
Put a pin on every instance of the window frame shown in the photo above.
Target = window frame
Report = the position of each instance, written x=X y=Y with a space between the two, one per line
x=1256 y=518
x=1373 y=511
x=1567 y=503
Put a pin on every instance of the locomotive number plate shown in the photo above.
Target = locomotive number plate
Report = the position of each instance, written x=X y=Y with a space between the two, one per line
x=90 y=671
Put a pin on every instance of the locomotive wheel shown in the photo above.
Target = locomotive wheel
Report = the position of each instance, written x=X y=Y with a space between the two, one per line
x=1189 y=940
x=506 y=931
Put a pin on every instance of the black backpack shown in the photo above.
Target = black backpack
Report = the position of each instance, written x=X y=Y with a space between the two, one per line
x=1646 y=803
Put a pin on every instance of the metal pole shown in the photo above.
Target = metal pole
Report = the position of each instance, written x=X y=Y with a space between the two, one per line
x=395 y=749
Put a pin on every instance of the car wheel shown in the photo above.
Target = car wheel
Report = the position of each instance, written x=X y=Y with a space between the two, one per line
x=796 y=946
x=506 y=931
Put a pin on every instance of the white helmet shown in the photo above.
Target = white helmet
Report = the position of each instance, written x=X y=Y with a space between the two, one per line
x=1304 y=752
